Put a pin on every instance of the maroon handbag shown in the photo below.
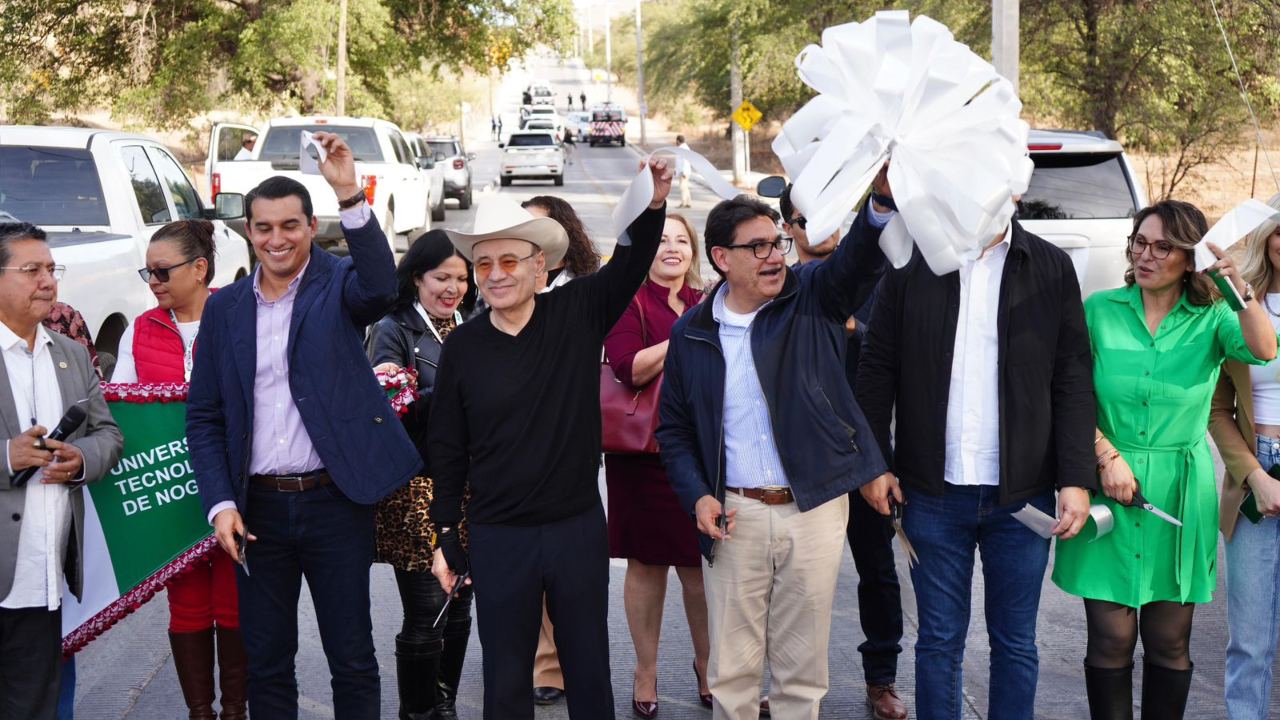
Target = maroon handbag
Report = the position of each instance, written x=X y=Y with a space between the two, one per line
x=628 y=418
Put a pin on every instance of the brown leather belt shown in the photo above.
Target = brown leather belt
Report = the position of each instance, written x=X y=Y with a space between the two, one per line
x=768 y=496
x=293 y=483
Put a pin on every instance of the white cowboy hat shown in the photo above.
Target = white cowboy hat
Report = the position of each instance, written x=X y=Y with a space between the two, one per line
x=499 y=218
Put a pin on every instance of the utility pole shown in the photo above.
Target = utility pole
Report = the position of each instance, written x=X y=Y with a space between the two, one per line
x=740 y=148
x=591 y=38
x=342 y=57
x=608 y=54
x=1004 y=39
x=644 y=108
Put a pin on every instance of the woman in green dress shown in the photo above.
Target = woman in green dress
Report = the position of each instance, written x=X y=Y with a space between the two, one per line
x=1158 y=345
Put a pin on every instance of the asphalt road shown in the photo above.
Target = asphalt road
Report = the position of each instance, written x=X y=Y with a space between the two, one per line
x=128 y=673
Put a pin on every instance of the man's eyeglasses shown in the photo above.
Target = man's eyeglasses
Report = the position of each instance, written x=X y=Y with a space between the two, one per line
x=162 y=274
x=799 y=221
x=1160 y=249
x=762 y=250
x=508 y=263
x=31 y=271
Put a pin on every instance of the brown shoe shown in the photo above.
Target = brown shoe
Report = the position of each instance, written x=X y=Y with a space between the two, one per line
x=885 y=703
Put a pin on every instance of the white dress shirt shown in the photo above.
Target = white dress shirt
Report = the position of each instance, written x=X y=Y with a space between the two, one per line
x=973 y=400
x=46 y=515
x=751 y=455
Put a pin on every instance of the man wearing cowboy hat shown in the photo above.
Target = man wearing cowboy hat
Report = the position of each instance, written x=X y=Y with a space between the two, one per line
x=516 y=419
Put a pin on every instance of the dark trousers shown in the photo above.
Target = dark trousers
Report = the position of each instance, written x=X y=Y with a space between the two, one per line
x=321 y=535
x=879 y=596
x=30 y=663
x=512 y=566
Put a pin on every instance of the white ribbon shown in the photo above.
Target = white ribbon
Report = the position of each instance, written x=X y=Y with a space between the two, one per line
x=1042 y=523
x=1242 y=220
x=640 y=192
x=910 y=91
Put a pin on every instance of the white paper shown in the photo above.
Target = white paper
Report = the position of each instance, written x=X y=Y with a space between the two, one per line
x=640 y=192
x=1242 y=220
x=307 y=164
x=1036 y=519
x=890 y=88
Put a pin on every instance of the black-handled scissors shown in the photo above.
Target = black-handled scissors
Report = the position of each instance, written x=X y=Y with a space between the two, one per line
x=1139 y=501
x=457 y=588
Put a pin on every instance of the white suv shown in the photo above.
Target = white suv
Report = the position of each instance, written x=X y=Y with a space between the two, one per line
x=1082 y=197
x=532 y=154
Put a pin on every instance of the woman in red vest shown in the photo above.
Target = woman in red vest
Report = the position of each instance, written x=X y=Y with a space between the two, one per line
x=159 y=348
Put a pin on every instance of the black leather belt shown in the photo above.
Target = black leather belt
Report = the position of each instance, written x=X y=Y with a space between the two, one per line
x=293 y=483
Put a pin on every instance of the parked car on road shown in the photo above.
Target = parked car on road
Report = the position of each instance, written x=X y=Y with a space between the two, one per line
x=1082 y=197
x=100 y=196
x=530 y=155
x=542 y=94
x=397 y=184
x=578 y=123
x=456 y=162
x=421 y=150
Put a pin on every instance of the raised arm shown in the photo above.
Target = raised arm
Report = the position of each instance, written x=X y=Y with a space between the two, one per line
x=371 y=289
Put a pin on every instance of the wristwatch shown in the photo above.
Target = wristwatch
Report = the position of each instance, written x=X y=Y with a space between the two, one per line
x=1248 y=292
x=352 y=201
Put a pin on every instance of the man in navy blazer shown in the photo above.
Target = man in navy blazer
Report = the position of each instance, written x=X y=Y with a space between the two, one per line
x=292 y=439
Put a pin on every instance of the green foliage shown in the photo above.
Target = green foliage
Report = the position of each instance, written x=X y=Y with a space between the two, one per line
x=163 y=62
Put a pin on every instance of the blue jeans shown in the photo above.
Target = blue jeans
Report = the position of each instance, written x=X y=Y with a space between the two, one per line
x=67 y=692
x=1253 y=606
x=321 y=535
x=945 y=530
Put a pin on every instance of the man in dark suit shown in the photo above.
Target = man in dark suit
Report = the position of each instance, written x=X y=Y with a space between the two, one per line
x=292 y=439
x=42 y=374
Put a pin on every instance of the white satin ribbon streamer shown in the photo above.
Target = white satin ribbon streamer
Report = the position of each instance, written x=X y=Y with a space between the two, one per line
x=886 y=88
x=1042 y=523
x=1242 y=220
x=640 y=192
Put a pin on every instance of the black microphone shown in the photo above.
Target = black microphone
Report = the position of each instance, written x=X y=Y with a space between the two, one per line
x=69 y=423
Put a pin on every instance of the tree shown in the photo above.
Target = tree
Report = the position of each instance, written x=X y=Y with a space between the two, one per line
x=163 y=62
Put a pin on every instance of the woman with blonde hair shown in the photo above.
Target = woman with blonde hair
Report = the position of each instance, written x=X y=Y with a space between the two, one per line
x=646 y=523
x=1245 y=424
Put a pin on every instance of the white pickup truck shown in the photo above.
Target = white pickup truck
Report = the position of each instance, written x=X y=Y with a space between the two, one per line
x=397 y=183
x=100 y=196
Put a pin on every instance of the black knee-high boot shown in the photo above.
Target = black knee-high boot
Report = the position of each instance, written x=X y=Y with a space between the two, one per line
x=456 y=637
x=416 y=667
x=1164 y=691
x=1110 y=692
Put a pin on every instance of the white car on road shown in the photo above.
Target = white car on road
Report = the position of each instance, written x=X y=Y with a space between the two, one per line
x=397 y=184
x=101 y=196
x=532 y=155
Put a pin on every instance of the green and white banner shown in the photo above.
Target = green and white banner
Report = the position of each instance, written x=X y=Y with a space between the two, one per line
x=143 y=521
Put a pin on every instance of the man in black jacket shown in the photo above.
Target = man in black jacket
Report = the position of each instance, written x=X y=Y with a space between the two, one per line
x=870 y=534
x=990 y=373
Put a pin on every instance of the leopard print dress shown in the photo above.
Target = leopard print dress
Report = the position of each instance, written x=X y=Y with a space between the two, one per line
x=405 y=532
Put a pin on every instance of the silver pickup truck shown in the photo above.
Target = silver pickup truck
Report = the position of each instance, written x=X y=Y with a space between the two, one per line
x=101 y=195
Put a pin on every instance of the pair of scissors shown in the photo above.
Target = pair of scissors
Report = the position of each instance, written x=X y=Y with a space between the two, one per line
x=1139 y=501
x=457 y=588
x=895 y=512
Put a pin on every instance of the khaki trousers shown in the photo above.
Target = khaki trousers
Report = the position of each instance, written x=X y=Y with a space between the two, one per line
x=546 y=664
x=770 y=592
x=686 y=199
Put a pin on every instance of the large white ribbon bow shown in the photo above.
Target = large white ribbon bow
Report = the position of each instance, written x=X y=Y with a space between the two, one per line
x=886 y=88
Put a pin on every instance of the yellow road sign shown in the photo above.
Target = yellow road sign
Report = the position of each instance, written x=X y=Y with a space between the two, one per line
x=747 y=115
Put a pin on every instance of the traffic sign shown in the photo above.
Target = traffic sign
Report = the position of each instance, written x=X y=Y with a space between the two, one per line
x=747 y=115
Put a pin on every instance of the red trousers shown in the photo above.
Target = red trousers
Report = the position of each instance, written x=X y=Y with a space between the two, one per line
x=205 y=595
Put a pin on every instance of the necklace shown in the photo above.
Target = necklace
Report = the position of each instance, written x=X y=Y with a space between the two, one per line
x=188 y=354
x=1266 y=303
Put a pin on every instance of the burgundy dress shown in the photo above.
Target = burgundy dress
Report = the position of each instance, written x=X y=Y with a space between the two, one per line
x=646 y=521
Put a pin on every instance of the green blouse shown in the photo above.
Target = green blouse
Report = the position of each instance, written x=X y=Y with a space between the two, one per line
x=1153 y=405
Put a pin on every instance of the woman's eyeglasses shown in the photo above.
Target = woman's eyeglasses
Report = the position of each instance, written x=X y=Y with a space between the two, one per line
x=1160 y=249
x=162 y=274
x=508 y=263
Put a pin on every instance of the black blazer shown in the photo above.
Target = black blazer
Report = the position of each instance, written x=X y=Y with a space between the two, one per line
x=1047 y=413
